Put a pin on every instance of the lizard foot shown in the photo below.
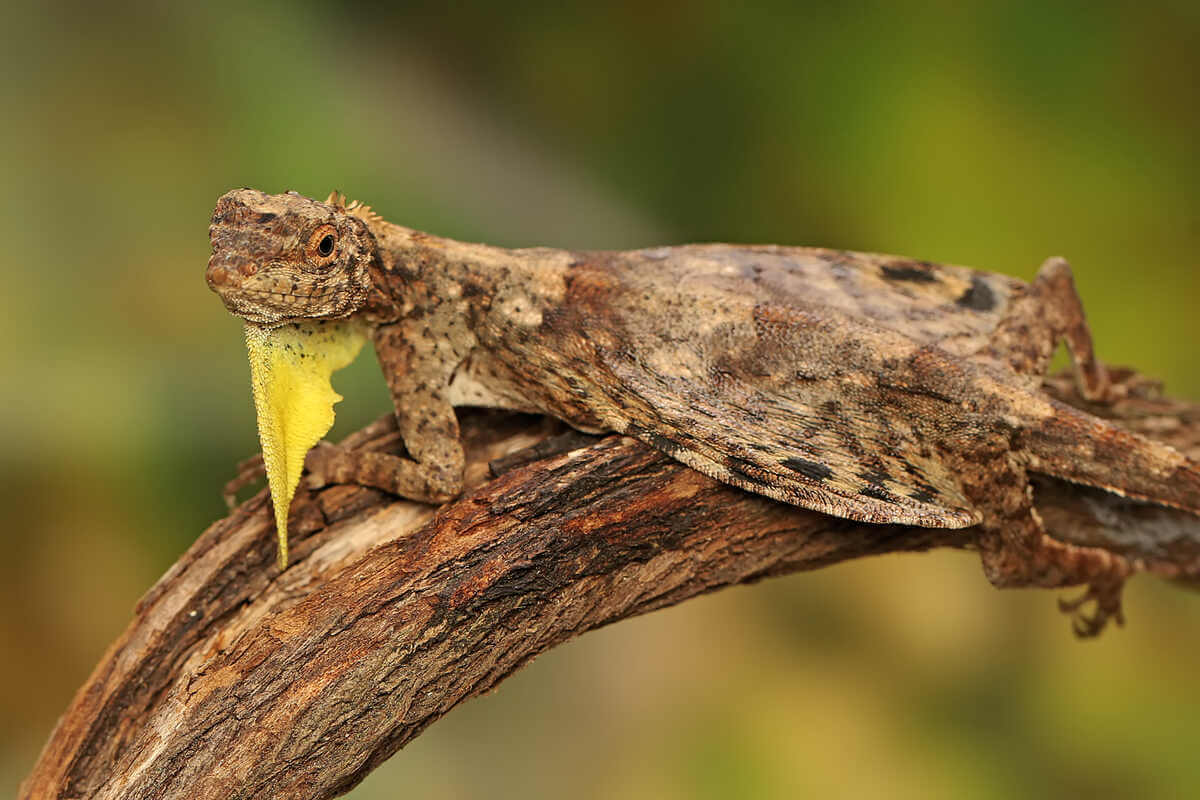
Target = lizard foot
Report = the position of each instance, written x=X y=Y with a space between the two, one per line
x=1106 y=595
x=249 y=471
x=1034 y=558
x=322 y=465
x=328 y=464
x=1124 y=383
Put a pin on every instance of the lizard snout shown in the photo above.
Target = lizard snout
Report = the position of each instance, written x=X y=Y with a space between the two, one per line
x=226 y=273
x=221 y=277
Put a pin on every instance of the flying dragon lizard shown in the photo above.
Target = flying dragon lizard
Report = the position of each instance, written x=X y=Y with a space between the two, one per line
x=870 y=387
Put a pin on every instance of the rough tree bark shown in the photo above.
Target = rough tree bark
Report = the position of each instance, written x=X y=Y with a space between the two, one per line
x=233 y=680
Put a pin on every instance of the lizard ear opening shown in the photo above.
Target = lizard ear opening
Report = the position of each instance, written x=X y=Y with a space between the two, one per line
x=322 y=246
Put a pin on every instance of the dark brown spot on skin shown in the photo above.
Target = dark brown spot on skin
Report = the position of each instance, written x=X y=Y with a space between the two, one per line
x=922 y=496
x=909 y=274
x=661 y=443
x=809 y=469
x=876 y=493
x=979 y=297
x=876 y=477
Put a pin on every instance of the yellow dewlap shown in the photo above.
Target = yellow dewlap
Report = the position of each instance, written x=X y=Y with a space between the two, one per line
x=290 y=369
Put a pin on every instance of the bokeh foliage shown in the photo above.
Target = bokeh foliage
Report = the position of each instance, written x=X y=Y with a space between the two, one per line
x=985 y=133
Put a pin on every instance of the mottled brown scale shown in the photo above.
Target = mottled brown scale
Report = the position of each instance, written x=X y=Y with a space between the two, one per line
x=871 y=387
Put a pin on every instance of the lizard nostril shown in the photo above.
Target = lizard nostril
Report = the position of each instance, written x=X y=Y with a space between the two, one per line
x=247 y=268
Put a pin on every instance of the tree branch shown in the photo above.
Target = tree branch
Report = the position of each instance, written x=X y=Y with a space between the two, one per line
x=233 y=680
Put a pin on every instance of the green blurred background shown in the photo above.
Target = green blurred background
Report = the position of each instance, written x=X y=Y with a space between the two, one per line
x=989 y=133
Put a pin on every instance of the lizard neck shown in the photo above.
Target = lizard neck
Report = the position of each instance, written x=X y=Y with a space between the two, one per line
x=416 y=273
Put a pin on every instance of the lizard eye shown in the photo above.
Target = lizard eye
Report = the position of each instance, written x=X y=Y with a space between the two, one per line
x=322 y=246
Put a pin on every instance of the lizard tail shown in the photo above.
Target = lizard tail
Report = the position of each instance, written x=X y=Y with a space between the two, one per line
x=1082 y=448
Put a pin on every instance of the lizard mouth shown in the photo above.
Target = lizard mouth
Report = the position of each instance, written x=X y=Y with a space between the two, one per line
x=256 y=298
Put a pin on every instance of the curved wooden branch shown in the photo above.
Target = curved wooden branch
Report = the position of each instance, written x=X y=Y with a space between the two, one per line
x=236 y=681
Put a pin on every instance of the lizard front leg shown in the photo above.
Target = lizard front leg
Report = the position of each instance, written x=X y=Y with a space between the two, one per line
x=1049 y=313
x=418 y=369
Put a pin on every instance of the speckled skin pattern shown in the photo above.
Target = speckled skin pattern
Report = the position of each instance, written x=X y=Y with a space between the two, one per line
x=871 y=387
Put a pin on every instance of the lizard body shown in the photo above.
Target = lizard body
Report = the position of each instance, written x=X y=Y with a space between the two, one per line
x=871 y=387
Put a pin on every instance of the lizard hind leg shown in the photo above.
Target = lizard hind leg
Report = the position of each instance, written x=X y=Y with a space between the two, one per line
x=1022 y=554
x=1051 y=312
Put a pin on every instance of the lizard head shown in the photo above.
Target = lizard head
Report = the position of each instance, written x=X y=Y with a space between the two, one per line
x=280 y=258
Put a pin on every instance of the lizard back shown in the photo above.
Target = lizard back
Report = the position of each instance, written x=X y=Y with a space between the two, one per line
x=852 y=384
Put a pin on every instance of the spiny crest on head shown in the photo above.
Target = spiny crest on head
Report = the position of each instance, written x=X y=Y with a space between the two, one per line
x=353 y=208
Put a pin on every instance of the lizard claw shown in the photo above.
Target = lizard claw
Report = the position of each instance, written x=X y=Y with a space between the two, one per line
x=1107 y=599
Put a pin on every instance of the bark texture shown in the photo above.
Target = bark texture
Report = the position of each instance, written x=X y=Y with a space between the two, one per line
x=236 y=681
